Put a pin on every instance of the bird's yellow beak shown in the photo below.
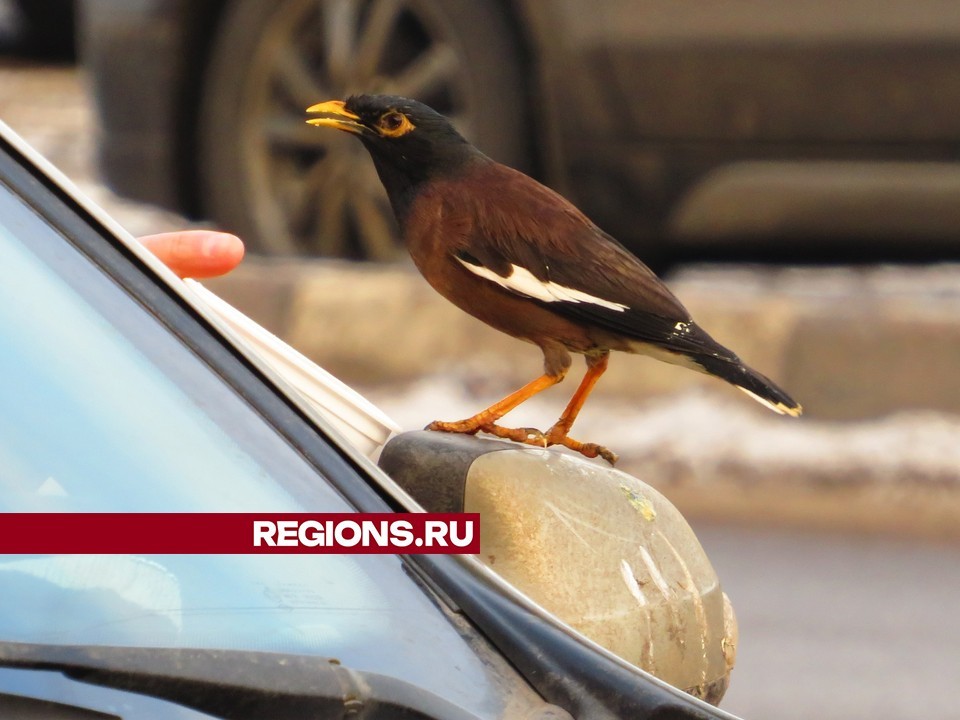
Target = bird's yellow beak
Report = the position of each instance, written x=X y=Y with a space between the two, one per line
x=342 y=118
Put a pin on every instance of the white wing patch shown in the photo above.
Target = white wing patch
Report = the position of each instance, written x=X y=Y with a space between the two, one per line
x=522 y=281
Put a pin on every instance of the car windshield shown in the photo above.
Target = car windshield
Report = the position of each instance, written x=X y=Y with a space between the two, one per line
x=103 y=409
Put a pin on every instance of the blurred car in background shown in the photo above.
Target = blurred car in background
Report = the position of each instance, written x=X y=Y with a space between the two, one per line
x=39 y=28
x=810 y=130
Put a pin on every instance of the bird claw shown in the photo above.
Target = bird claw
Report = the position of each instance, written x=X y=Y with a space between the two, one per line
x=555 y=436
x=527 y=436
x=593 y=450
x=558 y=436
x=590 y=450
x=463 y=427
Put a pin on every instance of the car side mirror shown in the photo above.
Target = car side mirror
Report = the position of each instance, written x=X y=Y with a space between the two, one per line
x=599 y=549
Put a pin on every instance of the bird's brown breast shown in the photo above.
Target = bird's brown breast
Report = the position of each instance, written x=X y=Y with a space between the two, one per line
x=434 y=231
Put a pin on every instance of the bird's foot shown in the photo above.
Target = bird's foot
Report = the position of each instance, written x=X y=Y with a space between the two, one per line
x=558 y=436
x=530 y=436
x=471 y=426
x=464 y=427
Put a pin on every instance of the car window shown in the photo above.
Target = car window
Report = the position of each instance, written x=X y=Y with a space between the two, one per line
x=103 y=409
x=116 y=398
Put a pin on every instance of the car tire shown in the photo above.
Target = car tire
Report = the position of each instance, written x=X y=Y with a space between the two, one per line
x=292 y=189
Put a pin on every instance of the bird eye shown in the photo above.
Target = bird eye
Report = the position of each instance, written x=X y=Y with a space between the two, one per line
x=394 y=124
x=391 y=121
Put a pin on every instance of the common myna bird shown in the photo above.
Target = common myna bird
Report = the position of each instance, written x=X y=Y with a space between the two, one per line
x=521 y=258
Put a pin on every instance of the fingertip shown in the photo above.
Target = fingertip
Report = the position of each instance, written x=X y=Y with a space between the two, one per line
x=220 y=244
x=217 y=253
x=197 y=253
x=223 y=248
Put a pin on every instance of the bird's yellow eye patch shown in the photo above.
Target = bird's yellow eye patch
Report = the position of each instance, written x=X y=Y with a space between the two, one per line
x=394 y=124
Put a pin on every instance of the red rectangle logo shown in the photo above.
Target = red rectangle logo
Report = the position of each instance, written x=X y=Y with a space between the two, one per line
x=239 y=533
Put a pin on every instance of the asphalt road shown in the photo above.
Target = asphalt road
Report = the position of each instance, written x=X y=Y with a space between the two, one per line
x=831 y=626
x=838 y=626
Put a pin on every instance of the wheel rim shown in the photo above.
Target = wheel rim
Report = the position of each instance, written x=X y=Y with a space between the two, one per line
x=314 y=191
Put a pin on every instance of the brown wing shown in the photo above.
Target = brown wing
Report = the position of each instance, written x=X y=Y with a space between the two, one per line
x=575 y=269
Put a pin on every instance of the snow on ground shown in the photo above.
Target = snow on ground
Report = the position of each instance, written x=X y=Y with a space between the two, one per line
x=699 y=433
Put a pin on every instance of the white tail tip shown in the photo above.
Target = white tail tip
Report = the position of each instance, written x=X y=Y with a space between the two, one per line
x=778 y=408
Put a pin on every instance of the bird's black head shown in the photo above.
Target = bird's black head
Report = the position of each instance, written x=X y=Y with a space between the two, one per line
x=410 y=142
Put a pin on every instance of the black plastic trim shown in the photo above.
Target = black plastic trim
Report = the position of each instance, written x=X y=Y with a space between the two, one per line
x=239 y=685
x=433 y=467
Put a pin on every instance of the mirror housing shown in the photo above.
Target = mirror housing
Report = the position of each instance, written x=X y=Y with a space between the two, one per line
x=601 y=550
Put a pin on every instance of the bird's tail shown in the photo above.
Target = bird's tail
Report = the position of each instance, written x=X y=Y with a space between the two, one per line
x=757 y=386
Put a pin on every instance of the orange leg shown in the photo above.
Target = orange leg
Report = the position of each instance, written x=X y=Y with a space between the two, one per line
x=485 y=419
x=557 y=435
